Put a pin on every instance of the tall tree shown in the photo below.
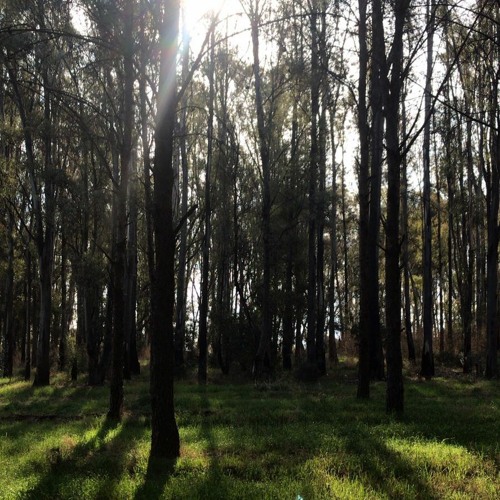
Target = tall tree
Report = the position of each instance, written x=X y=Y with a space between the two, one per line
x=207 y=228
x=427 y=367
x=364 y=206
x=493 y=198
x=120 y=253
x=395 y=392
x=164 y=433
x=262 y=361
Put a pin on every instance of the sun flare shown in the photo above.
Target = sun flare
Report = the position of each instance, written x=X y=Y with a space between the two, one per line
x=194 y=12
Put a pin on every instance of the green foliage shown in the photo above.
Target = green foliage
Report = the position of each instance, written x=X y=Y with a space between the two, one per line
x=239 y=441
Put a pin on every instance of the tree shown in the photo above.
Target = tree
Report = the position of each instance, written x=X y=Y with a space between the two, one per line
x=395 y=391
x=164 y=432
x=120 y=252
x=427 y=368
x=207 y=228
x=262 y=363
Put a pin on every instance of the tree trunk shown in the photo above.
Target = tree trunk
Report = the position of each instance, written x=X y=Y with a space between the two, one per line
x=131 y=364
x=493 y=197
x=164 y=433
x=205 y=265
x=364 y=210
x=148 y=202
x=405 y=248
x=377 y=98
x=8 y=317
x=63 y=340
x=427 y=367
x=120 y=254
x=262 y=362
x=180 y=313
x=395 y=391
x=28 y=315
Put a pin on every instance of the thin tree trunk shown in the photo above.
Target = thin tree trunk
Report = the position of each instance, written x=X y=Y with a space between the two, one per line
x=8 y=316
x=262 y=362
x=395 y=391
x=131 y=364
x=180 y=313
x=205 y=265
x=405 y=248
x=63 y=340
x=28 y=315
x=332 y=343
x=120 y=256
x=427 y=366
x=493 y=195
x=363 y=390
x=313 y=293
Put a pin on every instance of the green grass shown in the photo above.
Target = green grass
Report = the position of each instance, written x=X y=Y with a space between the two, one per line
x=277 y=441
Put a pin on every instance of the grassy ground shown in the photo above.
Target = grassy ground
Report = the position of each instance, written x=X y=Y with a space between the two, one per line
x=276 y=441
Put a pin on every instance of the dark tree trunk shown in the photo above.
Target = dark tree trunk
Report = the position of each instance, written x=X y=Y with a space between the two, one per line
x=8 y=316
x=28 y=315
x=395 y=391
x=320 y=205
x=205 y=265
x=262 y=362
x=493 y=198
x=164 y=433
x=148 y=202
x=105 y=361
x=332 y=343
x=377 y=98
x=288 y=313
x=120 y=254
x=91 y=298
x=314 y=160
x=405 y=248
x=131 y=362
x=180 y=312
x=427 y=366
x=364 y=210
x=61 y=364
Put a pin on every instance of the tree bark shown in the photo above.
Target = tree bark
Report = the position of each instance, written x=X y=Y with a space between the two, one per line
x=164 y=433
x=395 y=390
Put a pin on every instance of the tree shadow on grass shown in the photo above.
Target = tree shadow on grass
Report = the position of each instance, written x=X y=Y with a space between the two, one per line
x=93 y=466
x=384 y=470
x=212 y=485
x=157 y=476
x=466 y=415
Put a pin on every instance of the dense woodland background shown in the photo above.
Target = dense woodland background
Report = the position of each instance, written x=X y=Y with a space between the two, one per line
x=326 y=175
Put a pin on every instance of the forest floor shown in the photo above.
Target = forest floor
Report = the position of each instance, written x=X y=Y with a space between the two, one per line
x=281 y=440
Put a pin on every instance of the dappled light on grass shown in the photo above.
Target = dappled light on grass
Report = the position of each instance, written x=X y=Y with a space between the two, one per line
x=285 y=440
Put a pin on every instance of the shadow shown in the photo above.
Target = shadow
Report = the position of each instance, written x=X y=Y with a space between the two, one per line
x=465 y=412
x=96 y=464
x=212 y=486
x=158 y=473
x=384 y=469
